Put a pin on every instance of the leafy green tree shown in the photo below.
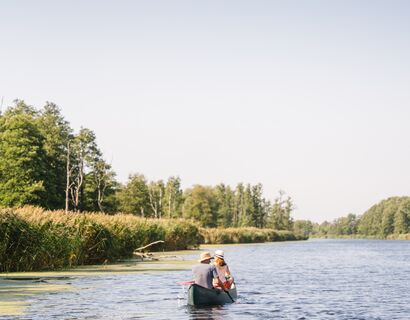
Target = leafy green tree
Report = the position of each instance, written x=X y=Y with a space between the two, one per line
x=224 y=197
x=385 y=218
x=56 y=132
x=156 y=191
x=248 y=209
x=22 y=165
x=100 y=187
x=239 y=212
x=280 y=216
x=257 y=218
x=173 y=198
x=402 y=218
x=83 y=154
x=303 y=227
x=200 y=205
x=134 y=196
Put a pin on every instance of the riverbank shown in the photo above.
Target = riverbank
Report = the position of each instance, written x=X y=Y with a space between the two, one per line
x=36 y=239
x=247 y=235
x=405 y=236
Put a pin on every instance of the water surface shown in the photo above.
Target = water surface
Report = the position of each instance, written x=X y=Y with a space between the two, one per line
x=315 y=279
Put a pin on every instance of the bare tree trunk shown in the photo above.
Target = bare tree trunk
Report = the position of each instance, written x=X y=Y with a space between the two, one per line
x=160 y=203
x=169 y=205
x=100 y=198
x=80 y=180
x=153 y=203
x=67 y=187
x=101 y=186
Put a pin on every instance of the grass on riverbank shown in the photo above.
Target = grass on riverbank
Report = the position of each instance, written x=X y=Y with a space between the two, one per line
x=405 y=236
x=35 y=239
x=246 y=235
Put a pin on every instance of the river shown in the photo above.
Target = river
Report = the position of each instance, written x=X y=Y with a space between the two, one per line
x=315 y=279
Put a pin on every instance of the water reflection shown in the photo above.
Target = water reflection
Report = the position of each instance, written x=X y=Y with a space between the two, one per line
x=205 y=312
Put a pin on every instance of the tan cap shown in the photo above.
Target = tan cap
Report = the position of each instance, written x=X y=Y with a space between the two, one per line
x=205 y=256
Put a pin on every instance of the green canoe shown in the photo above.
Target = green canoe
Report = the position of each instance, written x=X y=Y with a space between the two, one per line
x=200 y=296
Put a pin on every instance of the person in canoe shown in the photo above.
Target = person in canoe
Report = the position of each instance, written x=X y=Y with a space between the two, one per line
x=205 y=273
x=225 y=279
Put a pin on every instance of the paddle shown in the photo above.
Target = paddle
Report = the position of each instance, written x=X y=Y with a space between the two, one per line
x=229 y=295
x=186 y=283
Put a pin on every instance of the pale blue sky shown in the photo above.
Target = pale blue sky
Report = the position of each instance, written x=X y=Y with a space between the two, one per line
x=311 y=97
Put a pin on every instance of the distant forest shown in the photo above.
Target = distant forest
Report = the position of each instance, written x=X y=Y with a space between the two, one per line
x=45 y=163
x=388 y=218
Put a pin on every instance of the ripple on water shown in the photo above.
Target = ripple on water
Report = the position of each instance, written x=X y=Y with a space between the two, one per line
x=327 y=279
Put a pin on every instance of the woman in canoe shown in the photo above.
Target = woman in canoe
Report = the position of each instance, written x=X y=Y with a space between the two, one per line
x=224 y=274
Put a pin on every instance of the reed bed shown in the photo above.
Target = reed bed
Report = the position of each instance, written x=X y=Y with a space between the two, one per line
x=246 y=235
x=32 y=238
x=402 y=236
x=35 y=239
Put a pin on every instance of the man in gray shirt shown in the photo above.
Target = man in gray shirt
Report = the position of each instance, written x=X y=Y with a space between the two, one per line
x=204 y=272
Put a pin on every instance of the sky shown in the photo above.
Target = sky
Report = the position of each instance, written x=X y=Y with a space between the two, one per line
x=309 y=97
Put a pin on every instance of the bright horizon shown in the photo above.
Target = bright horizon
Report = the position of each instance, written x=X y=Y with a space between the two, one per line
x=308 y=97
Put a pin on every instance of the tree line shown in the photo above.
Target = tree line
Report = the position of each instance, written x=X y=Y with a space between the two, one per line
x=388 y=217
x=45 y=163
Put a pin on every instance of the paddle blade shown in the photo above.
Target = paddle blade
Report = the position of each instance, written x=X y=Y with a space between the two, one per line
x=186 y=283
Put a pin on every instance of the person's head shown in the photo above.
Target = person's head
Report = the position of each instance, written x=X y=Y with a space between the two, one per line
x=205 y=257
x=219 y=258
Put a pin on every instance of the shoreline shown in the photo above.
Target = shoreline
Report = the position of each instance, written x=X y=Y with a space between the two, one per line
x=392 y=237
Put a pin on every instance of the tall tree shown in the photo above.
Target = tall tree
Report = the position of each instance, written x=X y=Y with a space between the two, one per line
x=249 y=208
x=82 y=152
x=225 y=202
x=156 y=192
x=239 y=212
x=134 y=196
x=282 y=208
x=258 y=207
x=56 y=132
x=22 y=165
x=200 y=205
x=303 y=227
x=173 y=198
x=402 y=218
x=100 y=184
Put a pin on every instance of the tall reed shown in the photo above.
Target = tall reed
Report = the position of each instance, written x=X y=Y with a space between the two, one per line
x=35 y=239
x=32 y=238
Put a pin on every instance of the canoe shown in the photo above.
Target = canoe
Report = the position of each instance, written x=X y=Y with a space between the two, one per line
x=200 y=296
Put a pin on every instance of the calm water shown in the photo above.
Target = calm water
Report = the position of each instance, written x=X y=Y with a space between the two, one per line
x=318 y=279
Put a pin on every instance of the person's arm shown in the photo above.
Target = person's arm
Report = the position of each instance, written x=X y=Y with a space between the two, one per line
x=228 y=272
x=217 y=283
x=229 y=278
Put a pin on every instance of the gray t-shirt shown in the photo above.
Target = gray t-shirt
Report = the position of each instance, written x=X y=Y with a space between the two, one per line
x=204 y=274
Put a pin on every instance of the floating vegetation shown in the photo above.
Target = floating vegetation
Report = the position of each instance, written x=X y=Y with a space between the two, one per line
x=14 y=294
